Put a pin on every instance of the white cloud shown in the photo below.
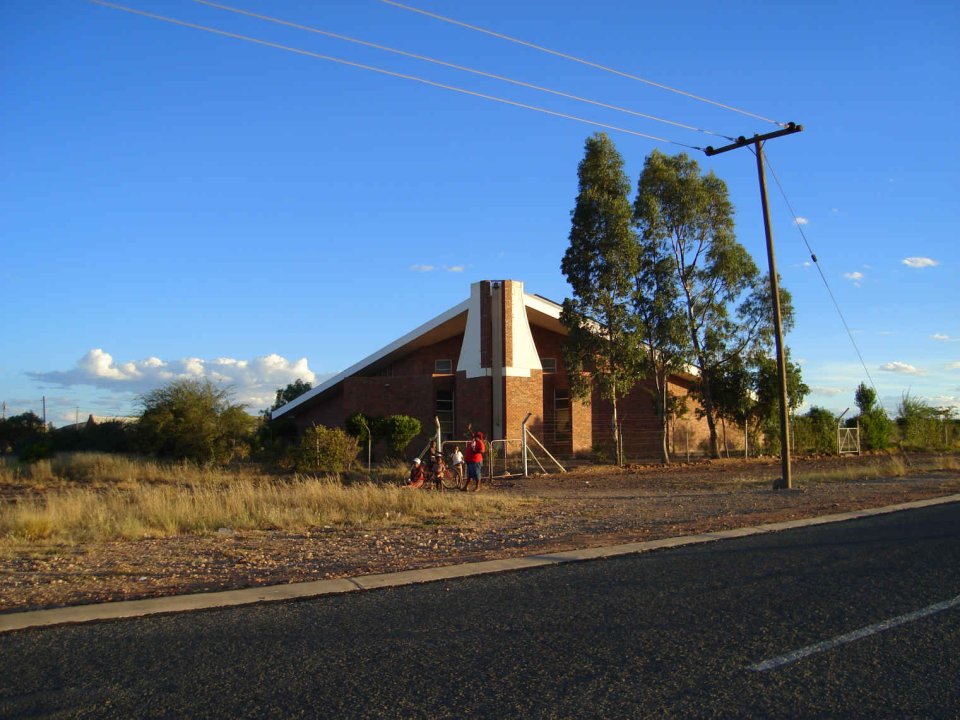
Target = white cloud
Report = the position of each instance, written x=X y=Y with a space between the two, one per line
x=945 y=401
x=254 y=382
x=901 y=367
x=920 y=262
x=801 y=220
x=953 y=366
x=829 y=391
x=855 y=276
x=941 y=337
x=431 y=268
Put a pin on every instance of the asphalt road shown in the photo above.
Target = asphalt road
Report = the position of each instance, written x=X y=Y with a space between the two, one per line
x=674 y=633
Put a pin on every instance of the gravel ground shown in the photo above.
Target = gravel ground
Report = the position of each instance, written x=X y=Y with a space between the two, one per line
x=587 y=508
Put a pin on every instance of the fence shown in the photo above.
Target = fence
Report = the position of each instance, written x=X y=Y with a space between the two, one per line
x=848 y=440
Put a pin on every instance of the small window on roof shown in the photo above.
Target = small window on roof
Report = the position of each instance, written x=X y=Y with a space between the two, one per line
x=443 y=367
x=549 y=364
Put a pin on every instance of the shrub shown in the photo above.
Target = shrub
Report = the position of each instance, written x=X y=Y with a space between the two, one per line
x=919 y=423
x=324 y=449
x=194 y=420
x=813 y=432
x=19 y=431
x=876 y=429
x=822 y=430
x=398 y=431
x=41 y=450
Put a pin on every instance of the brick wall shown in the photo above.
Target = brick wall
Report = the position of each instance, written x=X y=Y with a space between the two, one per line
x=641 y=426
x=327 y=411
x=524 y=395
x=485 y=325
x=548 y=344
x=473 y=404
x=406 y=387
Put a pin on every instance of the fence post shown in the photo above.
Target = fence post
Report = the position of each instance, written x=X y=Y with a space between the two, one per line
x=523 y=443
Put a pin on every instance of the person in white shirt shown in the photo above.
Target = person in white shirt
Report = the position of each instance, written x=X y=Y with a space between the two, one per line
x=456 y=461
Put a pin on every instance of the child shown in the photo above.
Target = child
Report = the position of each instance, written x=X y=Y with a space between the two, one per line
x=417 y=477
x=456 y=460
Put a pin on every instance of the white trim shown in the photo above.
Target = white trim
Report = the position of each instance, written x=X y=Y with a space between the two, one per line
x=469 y=360
x=525 y=355
x=370 y=359
x=542 y=305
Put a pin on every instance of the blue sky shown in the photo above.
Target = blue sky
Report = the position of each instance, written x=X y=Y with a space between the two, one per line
x=174 y=202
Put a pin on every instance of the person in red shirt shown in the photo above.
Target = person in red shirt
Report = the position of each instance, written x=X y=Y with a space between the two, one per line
x=474 y=458
x=417 y=478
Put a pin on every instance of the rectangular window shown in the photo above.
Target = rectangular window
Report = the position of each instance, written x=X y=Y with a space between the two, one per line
x=561 y=414
x=549 y=364
x=443 y=367
x=444 y=410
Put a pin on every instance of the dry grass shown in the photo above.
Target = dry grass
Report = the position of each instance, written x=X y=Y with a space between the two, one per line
x=104 y=470
x=88 y=515
x=88 y=497
x=885 y=466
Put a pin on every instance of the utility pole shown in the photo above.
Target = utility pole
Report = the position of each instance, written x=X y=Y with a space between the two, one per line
x=785 y=482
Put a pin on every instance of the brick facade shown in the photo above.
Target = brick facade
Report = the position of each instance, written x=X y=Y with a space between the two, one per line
x=402 y=380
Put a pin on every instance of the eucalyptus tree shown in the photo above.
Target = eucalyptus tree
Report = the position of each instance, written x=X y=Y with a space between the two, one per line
x=721 y=289
x=659 y=317
x=601 y=349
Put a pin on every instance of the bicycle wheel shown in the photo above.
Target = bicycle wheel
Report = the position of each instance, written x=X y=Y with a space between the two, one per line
x=448 y=479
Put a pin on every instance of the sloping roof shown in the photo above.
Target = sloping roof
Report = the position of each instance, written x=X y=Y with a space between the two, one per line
x=540 y=311
x=443 y=326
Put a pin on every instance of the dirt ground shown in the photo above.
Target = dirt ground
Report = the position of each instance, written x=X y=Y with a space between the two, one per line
x=586 y=508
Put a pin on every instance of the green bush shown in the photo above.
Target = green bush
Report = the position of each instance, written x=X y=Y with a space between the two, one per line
x=919 y=422
x=876 y=429
x=194 y=420
x=326 y=450
x=398 y=431
x=815 y=432
x=40 y=450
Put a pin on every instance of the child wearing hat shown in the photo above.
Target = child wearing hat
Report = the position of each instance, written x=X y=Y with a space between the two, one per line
x=417 y=477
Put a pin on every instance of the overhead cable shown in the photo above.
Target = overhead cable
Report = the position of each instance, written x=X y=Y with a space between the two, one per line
x=581 y=61
x=454 y=66
x=823 y=277
x=382 y=71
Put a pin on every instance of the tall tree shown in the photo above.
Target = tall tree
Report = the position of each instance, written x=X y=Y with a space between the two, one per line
x=660 y=321
x=601 y=349
x=721 y=288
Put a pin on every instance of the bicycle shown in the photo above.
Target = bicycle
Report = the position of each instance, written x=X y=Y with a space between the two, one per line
x=443 y=478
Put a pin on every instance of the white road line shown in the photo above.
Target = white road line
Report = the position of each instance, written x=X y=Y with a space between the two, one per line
x=855 y=635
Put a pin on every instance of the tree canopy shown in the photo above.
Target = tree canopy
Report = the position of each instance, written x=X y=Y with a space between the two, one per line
x=600 y=264
x=687 y=217
x=193 y=420
x=292 y=391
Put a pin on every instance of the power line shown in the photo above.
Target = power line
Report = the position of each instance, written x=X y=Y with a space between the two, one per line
x=391 y=73
x=823 y=277
x=454 y=66
x=582 y=61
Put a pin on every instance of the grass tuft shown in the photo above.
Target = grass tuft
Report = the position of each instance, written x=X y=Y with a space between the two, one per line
x=130 y=500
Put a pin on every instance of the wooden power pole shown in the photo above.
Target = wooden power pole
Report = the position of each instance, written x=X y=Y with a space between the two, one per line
x=786 y=481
